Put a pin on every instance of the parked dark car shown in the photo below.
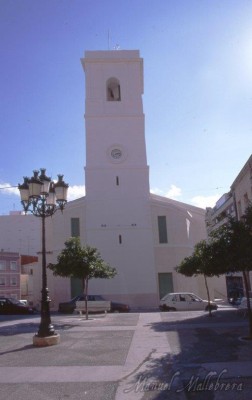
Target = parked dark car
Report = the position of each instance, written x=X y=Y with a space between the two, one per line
x=69 y=306
x=119 y=307
x=13 y=306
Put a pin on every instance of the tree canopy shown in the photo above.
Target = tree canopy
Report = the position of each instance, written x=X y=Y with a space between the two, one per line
x=202 y=261
x=228 y=249
x=206 y=259
x=83 y=262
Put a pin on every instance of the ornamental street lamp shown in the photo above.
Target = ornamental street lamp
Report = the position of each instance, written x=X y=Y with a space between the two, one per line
x=42 y=197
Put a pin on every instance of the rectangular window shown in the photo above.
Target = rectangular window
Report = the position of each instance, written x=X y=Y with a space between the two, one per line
x=2 y=265
x=13 y=281
x=165 y=282
x=13 y=265
x=117 y=181
x=120 y=239
x=239 y=209
x=75 y=227
x=2 y=281
x=246 y=201
x=162 y=229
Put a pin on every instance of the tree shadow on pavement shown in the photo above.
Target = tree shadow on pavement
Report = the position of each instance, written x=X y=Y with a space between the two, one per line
x=31 y=327
x=194 y=341
x=27 y=347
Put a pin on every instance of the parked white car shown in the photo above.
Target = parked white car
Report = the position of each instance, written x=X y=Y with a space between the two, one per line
x=184 y=301
x=243 y=304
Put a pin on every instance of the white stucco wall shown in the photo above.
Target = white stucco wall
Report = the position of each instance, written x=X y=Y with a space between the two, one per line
x=20 y=233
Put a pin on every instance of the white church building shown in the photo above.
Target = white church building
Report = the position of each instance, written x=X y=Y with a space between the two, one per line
x=142 y=235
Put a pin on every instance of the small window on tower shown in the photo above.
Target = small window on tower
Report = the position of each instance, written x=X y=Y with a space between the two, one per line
x=117 y=181
x=162 y=229
x=75 y=227
x=113 y=90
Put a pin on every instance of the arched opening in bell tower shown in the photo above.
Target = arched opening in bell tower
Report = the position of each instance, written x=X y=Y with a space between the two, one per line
x=113 y=90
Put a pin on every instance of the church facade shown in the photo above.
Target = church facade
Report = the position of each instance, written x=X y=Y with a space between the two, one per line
x=144 y=236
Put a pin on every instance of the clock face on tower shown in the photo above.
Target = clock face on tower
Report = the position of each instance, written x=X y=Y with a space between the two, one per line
x=116 y=153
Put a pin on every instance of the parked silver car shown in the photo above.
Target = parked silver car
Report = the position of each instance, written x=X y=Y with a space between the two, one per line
x=69 y=306
x=184 y=301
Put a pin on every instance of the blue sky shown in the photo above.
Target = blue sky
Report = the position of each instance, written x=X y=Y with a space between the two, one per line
x=197 y=89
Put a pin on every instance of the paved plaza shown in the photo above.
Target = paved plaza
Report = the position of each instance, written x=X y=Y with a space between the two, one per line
x=169 y=355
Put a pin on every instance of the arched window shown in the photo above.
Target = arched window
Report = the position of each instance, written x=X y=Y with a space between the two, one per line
x=113 y=90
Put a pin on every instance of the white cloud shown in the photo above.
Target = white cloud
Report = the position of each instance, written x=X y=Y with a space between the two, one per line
x=7 y=188
x=173 y=193
x=199 y=201
x=75 y=192
x=157 y=191
x=205 y=201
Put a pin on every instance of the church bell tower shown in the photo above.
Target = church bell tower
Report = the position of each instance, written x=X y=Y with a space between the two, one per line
x=118 y=215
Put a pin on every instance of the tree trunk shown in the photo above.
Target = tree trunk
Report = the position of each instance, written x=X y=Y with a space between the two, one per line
x=83 y=287
x=246 y=283
x=86 y=297
x=208 y=297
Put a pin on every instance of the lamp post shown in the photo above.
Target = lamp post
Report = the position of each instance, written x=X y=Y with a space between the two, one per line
x=42 y=197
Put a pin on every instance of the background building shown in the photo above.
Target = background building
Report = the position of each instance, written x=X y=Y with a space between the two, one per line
x=233 y=204
x=10 y=270
x=30 y=273
x=20 y=233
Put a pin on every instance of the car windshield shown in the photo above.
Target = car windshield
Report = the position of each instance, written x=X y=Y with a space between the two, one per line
x=14 y=301
x=195 y=298
x=95 y=297
x=74 y=299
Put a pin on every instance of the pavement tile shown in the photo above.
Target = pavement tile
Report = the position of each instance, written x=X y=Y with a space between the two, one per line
x=148 y=356
x=81 y=348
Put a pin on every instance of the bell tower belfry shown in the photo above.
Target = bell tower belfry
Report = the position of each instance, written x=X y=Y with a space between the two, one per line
x=118 y=214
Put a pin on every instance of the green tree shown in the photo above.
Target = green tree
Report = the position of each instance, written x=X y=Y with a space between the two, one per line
x=83 y=262
x=229 y=249
x=203 y=261
x=237 y=239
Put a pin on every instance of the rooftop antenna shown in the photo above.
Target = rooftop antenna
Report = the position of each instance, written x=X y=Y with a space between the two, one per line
x=116 y=47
